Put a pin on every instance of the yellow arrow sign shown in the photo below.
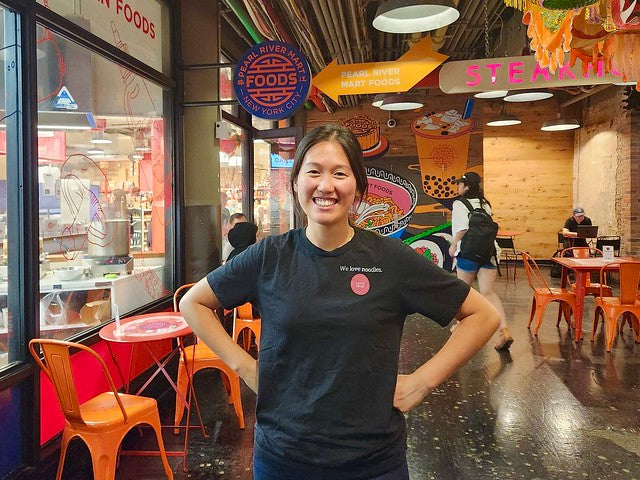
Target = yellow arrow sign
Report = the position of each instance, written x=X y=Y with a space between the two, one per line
x=380 y=77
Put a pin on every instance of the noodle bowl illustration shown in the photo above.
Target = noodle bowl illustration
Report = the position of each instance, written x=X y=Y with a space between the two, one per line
x=388 y=205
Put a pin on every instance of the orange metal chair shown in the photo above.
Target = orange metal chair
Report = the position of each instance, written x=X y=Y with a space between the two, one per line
x=244 y=322
x=197 y=357
x=610 y=308
x=101 y=422
x=543 y=295
x=590 y=288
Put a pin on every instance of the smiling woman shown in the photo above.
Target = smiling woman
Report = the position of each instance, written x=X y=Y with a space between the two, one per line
x=327 y=177
x=333 y=299
x=326 y=188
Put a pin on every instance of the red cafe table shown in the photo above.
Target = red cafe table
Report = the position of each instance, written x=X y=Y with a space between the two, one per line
x=143 y=330
x=582 y=267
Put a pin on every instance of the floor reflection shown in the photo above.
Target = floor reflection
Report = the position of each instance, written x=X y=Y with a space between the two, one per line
x=548 y=409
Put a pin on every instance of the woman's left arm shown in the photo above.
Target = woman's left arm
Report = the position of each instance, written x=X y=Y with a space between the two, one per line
x=478 y=322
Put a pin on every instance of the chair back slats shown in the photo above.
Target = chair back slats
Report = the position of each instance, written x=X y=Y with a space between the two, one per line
x=244 y=312
x=576 y=252
x=58 y=369
x=534 y=275
x=612 y=240
x=629 y=278
x=177 y=293
x=581 y=252
x=506 y=243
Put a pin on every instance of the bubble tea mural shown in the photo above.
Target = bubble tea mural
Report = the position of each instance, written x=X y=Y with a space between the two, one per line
x=410 y=197
x=442 y=141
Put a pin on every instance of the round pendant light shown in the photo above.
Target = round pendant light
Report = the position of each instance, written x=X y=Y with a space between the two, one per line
x=400 y=102
x=527 y=96
x=378 y=99
x=492 y=94
x=100 y=138
x=504 y=120
x=560 y=124
x=410 y=16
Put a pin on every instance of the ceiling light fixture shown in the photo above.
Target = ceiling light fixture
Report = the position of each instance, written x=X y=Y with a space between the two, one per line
x=95 y=151
x=527 y=96
x=625 y=83
x=137 y=156
x=63 y=121
x=492 y=94
x=504 y=120
x=560 y=124
x=409 y=16
x=63 y=127
x=99 y=138
x=400 y=102
x=378 y=99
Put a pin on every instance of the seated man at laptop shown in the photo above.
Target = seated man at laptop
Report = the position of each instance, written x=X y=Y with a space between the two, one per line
x=570 y=229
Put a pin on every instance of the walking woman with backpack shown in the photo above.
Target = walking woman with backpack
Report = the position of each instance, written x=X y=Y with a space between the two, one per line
x=474 y=246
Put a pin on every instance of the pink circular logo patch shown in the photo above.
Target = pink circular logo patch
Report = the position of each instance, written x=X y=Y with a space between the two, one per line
x=360 y=284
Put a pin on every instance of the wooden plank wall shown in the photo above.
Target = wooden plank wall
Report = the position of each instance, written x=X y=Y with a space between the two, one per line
x=528 y=173
x=529 y=176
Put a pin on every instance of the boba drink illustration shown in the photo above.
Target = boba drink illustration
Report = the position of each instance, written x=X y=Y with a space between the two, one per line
x=442 y=140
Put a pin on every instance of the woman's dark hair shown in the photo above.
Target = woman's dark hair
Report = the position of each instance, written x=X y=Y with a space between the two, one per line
x=475 y=191
x=348 y=142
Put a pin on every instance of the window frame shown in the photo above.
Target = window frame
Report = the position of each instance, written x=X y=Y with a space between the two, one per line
x=22 y=198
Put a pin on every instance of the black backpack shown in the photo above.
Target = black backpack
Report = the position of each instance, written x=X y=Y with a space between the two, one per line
x=478 y=243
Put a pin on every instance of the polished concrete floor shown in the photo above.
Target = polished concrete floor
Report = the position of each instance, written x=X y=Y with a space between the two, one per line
x=549 y=409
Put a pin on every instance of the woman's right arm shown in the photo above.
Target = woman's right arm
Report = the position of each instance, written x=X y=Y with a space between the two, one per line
x=198 y=308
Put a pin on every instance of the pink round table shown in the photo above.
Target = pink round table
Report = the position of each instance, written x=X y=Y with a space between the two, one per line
x=143 y=330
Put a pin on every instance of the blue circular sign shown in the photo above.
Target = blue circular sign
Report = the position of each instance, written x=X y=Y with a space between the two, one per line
x=272 y=80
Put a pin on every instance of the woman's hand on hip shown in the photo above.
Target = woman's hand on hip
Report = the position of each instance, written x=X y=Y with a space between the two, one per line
x=409 y=392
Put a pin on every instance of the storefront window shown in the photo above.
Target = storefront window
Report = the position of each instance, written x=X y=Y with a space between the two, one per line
x=273 y=207
x=9 y=154
x=105 y=188
x=231 y=186
x=138 y=28
x=263 y=124
x=225 y=78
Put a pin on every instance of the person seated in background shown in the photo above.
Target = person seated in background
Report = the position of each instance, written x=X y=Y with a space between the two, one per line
x=226 y=245
x=570 y=229
x=241 y=236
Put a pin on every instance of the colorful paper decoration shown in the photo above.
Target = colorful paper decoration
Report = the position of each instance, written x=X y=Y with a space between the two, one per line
x=598 y=33
x=550 y=34
x=621 y=53
x=567 y=4
x=626 y=15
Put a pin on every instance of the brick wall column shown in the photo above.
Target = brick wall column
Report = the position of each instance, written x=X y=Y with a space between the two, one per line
x=634 y=186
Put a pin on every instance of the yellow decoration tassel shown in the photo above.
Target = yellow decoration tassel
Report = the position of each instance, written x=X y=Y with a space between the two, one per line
x=518 y=4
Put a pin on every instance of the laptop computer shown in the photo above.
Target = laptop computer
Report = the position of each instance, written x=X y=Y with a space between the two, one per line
x=587 y=231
